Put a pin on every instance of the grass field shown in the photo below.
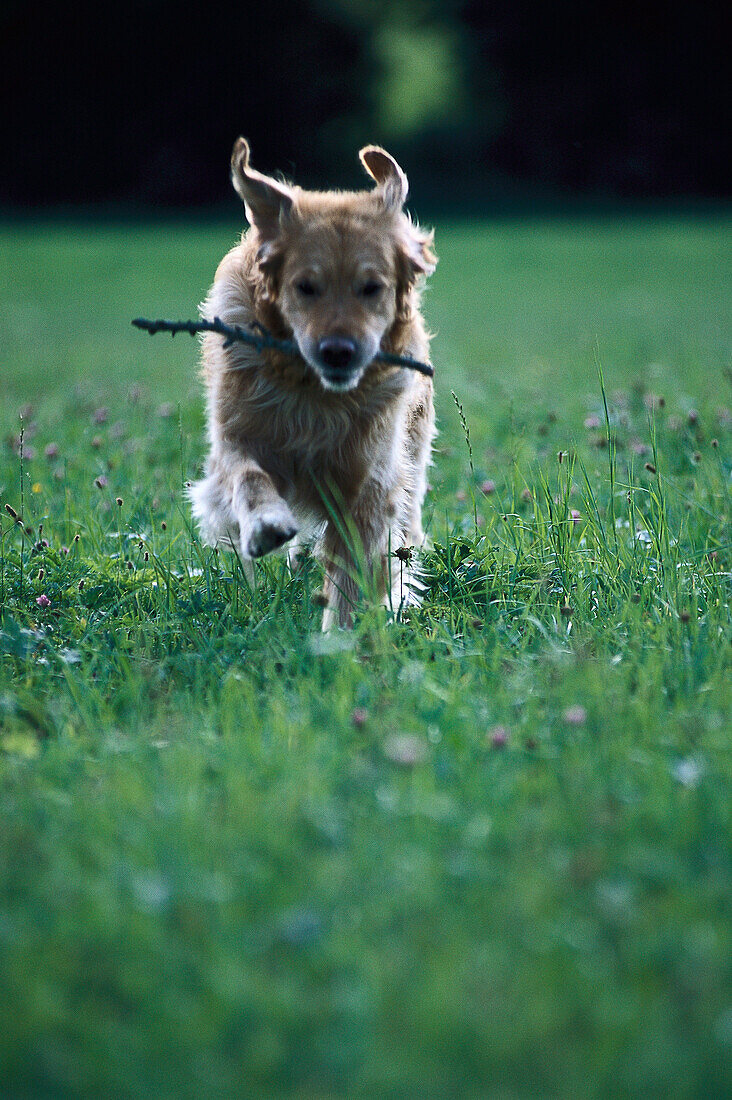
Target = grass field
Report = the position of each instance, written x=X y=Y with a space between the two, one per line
x=480 y=851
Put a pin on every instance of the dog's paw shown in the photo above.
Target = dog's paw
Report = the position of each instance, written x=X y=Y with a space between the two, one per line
x=296 y=556
x=268 y=532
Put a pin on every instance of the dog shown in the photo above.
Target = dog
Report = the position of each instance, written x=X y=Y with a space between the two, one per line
x=331 y=444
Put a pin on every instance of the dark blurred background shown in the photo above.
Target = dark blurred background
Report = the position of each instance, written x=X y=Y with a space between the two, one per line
x=138 y=105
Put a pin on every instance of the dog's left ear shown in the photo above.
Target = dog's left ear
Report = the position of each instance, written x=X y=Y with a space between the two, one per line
x=393 y=186
x=390 y=178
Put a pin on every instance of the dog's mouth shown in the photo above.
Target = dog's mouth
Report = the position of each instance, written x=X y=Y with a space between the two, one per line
x=338 y=361
x=339 y=381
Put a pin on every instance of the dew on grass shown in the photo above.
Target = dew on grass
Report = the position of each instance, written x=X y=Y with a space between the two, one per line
x=151 y=891
x=575 y=715
x=688 y=771
x=405 y=749
x=327 y=645
x=615 y=897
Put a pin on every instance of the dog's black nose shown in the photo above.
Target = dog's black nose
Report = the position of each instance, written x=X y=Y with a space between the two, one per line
x=336 y=352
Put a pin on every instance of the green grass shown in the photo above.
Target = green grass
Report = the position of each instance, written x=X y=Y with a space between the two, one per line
x=241 y=858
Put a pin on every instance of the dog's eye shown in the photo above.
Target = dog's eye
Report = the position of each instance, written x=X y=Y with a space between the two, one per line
x=370 y=289
x=306 y=288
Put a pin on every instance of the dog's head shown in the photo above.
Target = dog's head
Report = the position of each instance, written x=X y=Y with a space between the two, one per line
x=339 y=267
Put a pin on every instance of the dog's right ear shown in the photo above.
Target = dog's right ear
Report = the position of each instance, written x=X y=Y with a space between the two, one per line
x=267 y=201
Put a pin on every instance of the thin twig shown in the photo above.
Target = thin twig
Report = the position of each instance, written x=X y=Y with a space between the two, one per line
x=261 y=339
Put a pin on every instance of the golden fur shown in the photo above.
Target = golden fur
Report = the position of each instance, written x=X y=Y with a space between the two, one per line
x=329 y=444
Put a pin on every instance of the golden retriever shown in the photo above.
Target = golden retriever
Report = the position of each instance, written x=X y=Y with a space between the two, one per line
x=328 y=445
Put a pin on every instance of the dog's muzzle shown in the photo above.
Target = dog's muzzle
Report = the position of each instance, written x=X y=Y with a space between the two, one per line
x=338 y=360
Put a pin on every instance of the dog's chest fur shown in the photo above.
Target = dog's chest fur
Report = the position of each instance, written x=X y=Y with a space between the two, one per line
x=306 y=438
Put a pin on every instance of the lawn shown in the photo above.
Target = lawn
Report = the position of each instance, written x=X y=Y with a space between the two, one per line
x=481 y=851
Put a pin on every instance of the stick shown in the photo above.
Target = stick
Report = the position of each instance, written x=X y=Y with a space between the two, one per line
x=261 y=339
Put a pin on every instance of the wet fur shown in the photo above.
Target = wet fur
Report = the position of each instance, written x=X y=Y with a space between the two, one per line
x=289 y=458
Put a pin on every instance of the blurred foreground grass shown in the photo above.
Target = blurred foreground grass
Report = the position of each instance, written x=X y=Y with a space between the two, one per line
x=484 y=850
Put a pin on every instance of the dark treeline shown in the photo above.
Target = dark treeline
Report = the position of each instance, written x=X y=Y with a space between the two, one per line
x=141 y=103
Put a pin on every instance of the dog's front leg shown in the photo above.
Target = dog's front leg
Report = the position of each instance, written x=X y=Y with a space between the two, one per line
x=264 y=518
x=340 y=588
x=356 y=557
x=237 y=504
